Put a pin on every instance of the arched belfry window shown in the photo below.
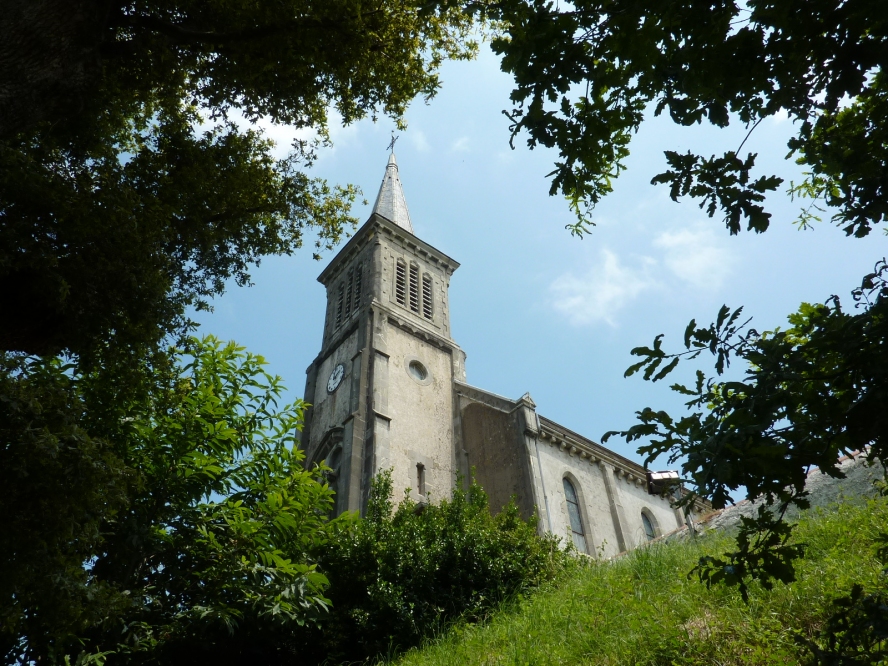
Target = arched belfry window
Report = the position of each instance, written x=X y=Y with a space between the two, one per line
x=650 y=532
x=356 y=303
x=576 y=518
x=401 y=282
x=339 y=299
x=427 y=296
x=414 y=288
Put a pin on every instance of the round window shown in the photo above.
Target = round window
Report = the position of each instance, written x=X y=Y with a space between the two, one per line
x=418 y=370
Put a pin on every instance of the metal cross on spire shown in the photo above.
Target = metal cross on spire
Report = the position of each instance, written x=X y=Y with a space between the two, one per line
x=391 y=146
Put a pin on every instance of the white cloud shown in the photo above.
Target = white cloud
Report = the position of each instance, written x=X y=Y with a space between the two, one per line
x=696 y=257
x=341 y=135
x=284 y=135
x=780 y=117
x=461 y=145
x=597 y=297
x=419 y=141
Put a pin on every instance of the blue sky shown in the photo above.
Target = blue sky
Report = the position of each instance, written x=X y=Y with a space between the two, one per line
x=534 y=308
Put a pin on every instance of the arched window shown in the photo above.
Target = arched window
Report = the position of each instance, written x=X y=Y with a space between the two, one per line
x=414 y=288
x=427 y=296
x=358 y=285
x=339 y=305
x=649 y=530
x=576 y=519
x=349 y=281
x=401 y=282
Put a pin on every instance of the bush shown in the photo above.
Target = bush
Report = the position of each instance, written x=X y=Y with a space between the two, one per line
x=403 y=574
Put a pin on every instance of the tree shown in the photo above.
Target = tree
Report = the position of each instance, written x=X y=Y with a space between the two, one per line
x=822 y=62
x=149 y=523
x=810 y=393
x=128 y=191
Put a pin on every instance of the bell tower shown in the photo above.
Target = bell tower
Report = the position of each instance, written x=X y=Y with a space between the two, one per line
x=381 y=388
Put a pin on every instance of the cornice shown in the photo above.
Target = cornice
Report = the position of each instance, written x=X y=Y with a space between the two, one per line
x=337 y=339
x=377 y=224
x=410 y=242
x=487 y=398
x=576 y=445
x=415 y=330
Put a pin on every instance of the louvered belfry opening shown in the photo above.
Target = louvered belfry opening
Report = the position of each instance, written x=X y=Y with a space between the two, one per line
x=339 y=304
x=414 y=287
x=427 y=296
x=358 y=285
x=348 y=296
x=401 y=282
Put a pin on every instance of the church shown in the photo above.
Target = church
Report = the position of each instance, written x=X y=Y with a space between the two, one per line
x=388 y=390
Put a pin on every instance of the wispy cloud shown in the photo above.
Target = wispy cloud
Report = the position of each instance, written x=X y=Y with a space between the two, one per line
x=696 y=256
x=419 y=141
x=607 y=288
x=461 y=145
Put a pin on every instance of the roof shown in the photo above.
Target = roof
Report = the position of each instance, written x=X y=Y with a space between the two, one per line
x=390 y=202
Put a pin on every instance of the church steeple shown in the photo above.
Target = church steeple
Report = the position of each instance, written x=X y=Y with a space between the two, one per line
x=390 y=202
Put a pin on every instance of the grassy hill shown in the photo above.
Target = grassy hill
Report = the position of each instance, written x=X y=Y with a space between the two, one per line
x=644 y=609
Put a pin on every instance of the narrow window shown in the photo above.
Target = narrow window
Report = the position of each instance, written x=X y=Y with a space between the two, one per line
x=339 y=305
x=401 y=282
x=356 y=303
x=333 y=462
x=576 y=520
x=414 y=288
x=348 y=293
x=649 y=530
x=427 y=296
x=420 y=479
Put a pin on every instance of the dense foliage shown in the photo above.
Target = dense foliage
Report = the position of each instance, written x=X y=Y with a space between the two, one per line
x=587 y=73
x=810 y=393
x=402 y=574
x=140 y=188
x=142 y=524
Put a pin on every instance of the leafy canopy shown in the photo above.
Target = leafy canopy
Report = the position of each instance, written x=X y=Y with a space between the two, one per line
x=147 y=189
x=587 y=72
x=809 y=394
x=142 y=522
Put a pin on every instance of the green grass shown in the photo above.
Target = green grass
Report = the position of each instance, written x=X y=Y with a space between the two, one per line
x=643 y=608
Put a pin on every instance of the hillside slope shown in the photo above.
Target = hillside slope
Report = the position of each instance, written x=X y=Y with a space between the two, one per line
x=643 y=608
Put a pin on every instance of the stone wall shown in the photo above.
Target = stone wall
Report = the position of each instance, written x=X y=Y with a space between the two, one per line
x=612 y=491
x=421 y=426
x=495 y=451
x=331 y=409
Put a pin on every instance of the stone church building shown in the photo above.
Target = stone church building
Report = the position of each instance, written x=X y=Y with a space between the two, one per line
x=388 y=390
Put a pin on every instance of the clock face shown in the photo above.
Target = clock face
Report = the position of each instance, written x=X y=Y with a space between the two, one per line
x=335 y=378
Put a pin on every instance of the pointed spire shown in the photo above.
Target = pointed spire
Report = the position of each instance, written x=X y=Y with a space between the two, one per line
x=390 y=202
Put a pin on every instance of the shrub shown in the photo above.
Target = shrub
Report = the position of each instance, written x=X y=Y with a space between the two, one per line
x=404 y=573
